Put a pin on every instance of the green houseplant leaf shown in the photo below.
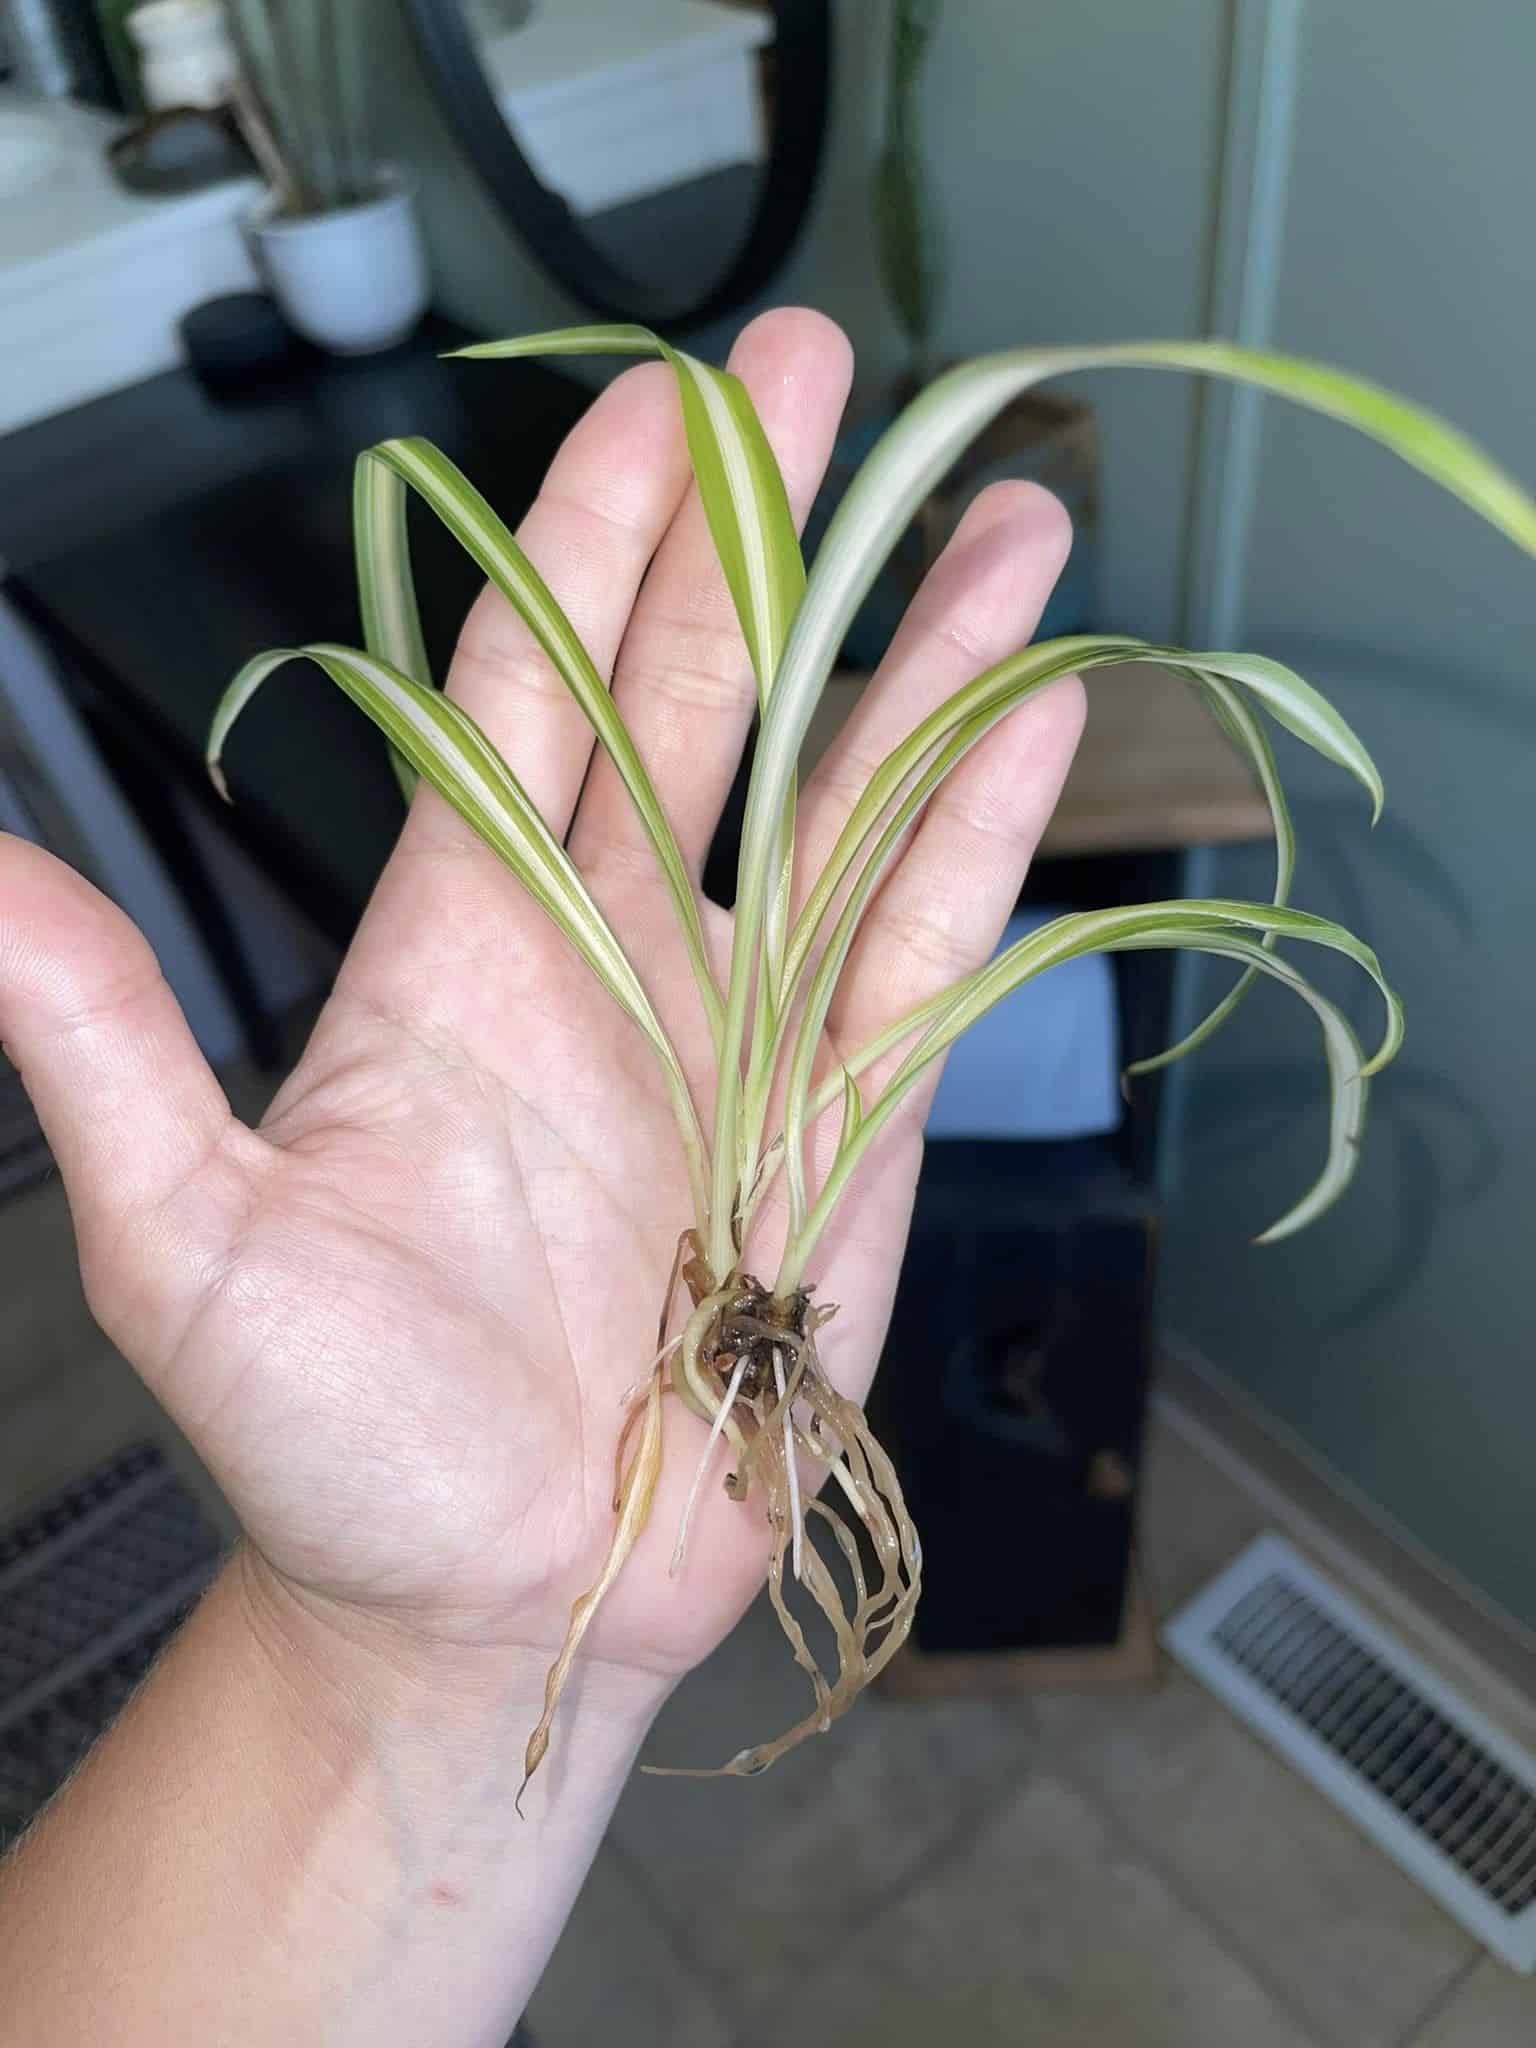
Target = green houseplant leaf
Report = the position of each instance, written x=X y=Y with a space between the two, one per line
x=746 y=1360
x=737 y=476
x=444 y=745
x=750 y=522
x=389 y=469
x=916 y=452
x=1224 y=928
x=386 y=585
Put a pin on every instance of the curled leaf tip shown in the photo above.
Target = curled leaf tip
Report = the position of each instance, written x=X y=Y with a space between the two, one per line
x=1276 y=1233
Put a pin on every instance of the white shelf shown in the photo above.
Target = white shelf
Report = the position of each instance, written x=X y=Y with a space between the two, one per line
x=93 y=279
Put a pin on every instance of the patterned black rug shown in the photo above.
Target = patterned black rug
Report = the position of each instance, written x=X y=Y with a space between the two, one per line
x=94 y=1581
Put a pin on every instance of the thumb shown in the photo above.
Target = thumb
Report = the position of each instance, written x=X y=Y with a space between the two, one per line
x=130 y=1108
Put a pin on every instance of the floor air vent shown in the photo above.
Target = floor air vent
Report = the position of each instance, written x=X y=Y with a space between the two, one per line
x=1424 y=1773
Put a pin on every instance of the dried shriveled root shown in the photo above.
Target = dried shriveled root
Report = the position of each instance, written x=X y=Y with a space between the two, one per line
x=788 y=1412
x=634 y=1488
x=747 y=1364
x=722 y=1416
x=634 y=1493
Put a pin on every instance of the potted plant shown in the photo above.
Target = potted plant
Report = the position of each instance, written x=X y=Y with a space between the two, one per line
x=905 y=243
x=338 y=235
x=743 y=1354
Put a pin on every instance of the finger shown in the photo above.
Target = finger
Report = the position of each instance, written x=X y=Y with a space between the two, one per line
x=604 y=506
x=135 y=1119
x=941 y=907
x=939 y=912
x=980 y=602
x=683 y=681
x=938 y=915
x=607 y=500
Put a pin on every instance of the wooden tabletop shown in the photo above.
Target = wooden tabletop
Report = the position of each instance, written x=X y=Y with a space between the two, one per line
x=1154 y=769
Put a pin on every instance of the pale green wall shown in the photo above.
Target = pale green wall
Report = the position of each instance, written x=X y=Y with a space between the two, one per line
x=1395 y=1338
x=1073 y=151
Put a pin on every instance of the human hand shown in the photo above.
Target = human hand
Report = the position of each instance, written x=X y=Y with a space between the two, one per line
x=398 y=1320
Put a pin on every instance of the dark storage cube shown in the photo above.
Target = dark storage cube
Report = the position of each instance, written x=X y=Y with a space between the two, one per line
x=1013 y=1390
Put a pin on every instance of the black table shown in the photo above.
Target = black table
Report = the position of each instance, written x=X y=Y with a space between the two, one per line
x=159 y=537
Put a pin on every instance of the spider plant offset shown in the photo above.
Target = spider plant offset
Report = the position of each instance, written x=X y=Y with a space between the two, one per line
x=746 y=1359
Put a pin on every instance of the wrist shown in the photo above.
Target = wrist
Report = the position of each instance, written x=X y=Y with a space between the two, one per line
x=355 y=1673
x=302 y=1829
x=409 y=1829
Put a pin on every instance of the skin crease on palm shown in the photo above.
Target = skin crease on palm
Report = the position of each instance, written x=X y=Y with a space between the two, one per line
x=398 y=1321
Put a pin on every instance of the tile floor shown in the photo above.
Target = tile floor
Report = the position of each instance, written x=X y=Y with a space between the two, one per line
x=1111 y=1870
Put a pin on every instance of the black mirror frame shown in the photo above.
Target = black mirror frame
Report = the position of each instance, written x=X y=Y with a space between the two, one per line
x=803 y=59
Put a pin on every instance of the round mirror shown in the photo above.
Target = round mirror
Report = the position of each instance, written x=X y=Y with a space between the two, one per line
x=657 y=156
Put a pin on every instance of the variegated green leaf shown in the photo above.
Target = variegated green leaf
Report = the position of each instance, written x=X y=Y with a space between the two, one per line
x=1294 y=703
x=793 y=630
x=760 y=558
x=853 y=1110
x=988 y=697
x=1245 y=731
x=446 y=747
x=753 y=530
x=485 y=537
x=1229 y=930
x=914 y=455
x=904 y=781
x=917 y=451
x=386 y=587
x=738 y=479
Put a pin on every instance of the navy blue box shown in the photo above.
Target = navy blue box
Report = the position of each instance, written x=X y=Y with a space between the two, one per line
x=1012 y=1390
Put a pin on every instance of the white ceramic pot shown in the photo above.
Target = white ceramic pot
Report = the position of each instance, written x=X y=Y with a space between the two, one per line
x=352 y=281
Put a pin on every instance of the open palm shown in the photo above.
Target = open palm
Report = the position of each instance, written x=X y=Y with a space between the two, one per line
x=399 y=1320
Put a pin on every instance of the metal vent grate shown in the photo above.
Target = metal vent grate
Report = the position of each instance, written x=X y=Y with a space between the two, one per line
x=1429 y=1778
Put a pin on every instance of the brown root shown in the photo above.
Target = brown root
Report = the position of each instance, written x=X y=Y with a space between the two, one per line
x=746 y=1362
x=635 y=1492
x=634 y=1488
x=765 y=1349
